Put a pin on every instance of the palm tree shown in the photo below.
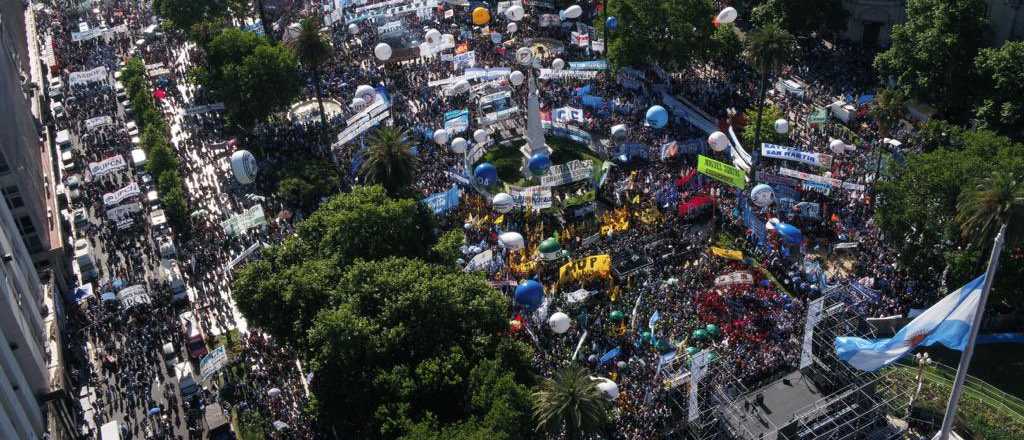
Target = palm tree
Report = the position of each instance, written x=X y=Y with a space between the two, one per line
x=268 y=26
x=768 y=47
x=389 y=162
x=313 y=51
x=570 y=402
x=889 y=108
x=995 y=201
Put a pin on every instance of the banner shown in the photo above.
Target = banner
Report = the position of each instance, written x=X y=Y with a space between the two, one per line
x=567 y=114
x=107 y=166
x=87 y=76
x=87 y=35
x=835 y=183
x=689 y=113
x=250 y=218
x=569 y=132
x=486 y=261
x=567 y=173
x=535 y=197
x=786 y=153
x=589 y=65
x=846 y=245
x=549 y=20
x=738 y=277
x=721 y=172
x=113 y=198
x=727 y=253
x=818 y=116
x=443 y=201
x=817 y=187
x=813 y=317
x=98 y=121
x=464 y=60
x=567 y=74
x=456 y=121
x=593 y=266
x=212 y=363
x=809 y=210
x=195 y=110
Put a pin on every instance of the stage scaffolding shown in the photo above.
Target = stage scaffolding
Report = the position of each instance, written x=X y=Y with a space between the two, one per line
x=853 y=404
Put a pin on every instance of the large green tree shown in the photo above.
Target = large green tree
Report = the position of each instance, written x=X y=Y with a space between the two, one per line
x=405 y=341
x=184 y=14
x=1001 y=74
x=283 y=291
x=669 y=33
x=931 y=58
x=301 y=183
x=389 y=161
x=253 y=77
x=802 y=17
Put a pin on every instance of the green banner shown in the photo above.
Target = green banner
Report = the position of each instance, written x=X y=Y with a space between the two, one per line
x=721 y=172
x=818 y=116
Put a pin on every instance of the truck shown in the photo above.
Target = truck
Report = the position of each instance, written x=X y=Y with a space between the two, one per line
x=112 y=431
x=84 y=259
x=195 y=343
x=217 y=426
x=171 y=273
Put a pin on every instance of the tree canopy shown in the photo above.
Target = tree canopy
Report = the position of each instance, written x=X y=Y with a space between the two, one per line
x=802 y=17
x=932 y=54
x=669 y=33
x=184 y=14
x=1001 y=72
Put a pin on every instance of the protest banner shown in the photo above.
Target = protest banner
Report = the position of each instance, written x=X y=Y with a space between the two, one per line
x=786 y=153
x=98 y=121
x=593 y=266
x=443 y=201
x=107 y=166
x=87 y=76
x=535 y=197
x=727 y=253
x=113 y=198
x=567 y=173
x=213 y=362
x=456 y=121
x=738 y=277
x=835 y=183
x=721 y=172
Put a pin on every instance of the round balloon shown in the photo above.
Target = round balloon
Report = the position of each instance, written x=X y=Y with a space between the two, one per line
x=700 y=334
x=433 y=36
x=611 y=23
x=514 y=13
x=480 y=135
x=458 y=145
x=549 y=249
x=692 y=350
x=358 y=104
x=539 y=164
x=837 y=146
x=516 y=77
x=511 y=28
x=481 y=16
x=617 y=315
x=558 y=64
x=382 y=51
x=619 y=133
x=529 y=294
x=486 y=174
x=353 y=28
x=441 y=136
x=608 y=388
x=573 y=12
x=524 y=55
x=781 y=126
x=243 y=166
x=365 y=92
x=559 y=322
x=718 y=141
x=762 y=195
x=712 y=329
x=503 y=202
x=726 y=16
x=657 y=116
x=512 y=240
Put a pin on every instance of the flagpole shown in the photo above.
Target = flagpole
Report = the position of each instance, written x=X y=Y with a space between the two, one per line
x=965 y=359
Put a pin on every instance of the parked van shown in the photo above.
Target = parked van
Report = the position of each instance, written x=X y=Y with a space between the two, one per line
x=193 y=335
x=85 y=260
x=172 y=274
x=170 y=356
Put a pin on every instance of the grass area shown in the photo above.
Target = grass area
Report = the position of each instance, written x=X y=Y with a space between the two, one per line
x=984 y=412
x=508 y=159
x=997 y=364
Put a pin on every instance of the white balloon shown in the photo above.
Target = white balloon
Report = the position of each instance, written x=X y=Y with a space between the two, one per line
x=511 y=28
x=516 y=77
x=718 y=141
x=573 y=12
x=524 y=55
x=433 y=36
x=503 y=203
x=441 y=136
x=619 y=133
x=559 y=322
x=480 y=135
x=781 y=126
x=382 y=51
x=514 y=13
x=512 y=241
x=728 y=15
x=353 y=29
x=558 y=64
x=458 y=145
x=608 y=388
x=365 y=92
x=243 y=166
x=837 y=146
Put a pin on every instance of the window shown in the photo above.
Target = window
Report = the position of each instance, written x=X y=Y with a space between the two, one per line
x=25 y=225
x=28 y=233
x=4 y=168
x=13 y=197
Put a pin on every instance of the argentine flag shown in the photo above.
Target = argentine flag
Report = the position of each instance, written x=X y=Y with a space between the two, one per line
x=948 y=322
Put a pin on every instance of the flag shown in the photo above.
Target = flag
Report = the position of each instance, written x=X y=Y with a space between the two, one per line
x=610 y=355
x=654 y=320
x=948 y=322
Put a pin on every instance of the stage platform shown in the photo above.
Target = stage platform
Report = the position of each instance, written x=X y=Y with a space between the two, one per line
x=763 y=412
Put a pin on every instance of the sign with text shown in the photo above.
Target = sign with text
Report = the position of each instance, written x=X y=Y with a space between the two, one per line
x=567 y=173
x=721 y=172
x=107 y=166
x=785 y=153
x=535 y=197
x=113 y=198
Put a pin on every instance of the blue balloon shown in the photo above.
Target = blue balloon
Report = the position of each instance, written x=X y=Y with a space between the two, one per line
x=486 y=174
x=539 y=164
x=530 y=294
x=657 y=116
x=611 y=23
x=789 y=233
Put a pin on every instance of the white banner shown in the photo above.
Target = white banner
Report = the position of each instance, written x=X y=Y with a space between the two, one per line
x=476 y=153
x=239 y=223
x=98 y=121
x=568 y=173
x=119 y=213
x=835 y=183
x=785 y=153
x=245 y=254
x=87 y=76
x=567 y=114
x=113 y=198
x=813 y=317
x=212 y=363
x=738 y=277
x=535 y=197
x=464 y=60
x=195 y=110
x=107 y=166
x=568 y=74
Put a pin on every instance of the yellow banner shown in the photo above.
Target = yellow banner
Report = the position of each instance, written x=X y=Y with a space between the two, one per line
x=727 y=253
x=597 y=265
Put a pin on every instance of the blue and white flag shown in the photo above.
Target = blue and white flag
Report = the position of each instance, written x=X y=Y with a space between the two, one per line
x=653 y=321
x=948 y=322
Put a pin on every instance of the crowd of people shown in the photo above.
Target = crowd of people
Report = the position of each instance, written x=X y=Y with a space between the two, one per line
x=663 y=301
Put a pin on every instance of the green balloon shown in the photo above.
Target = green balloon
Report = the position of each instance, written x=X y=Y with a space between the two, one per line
x=700 y=334
x=662 y=346
x=712 y=329
x=692 y=350
x=645 y=336
x=617 y=315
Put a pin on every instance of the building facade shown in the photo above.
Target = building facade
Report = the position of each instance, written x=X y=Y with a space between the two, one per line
x=871 y=21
